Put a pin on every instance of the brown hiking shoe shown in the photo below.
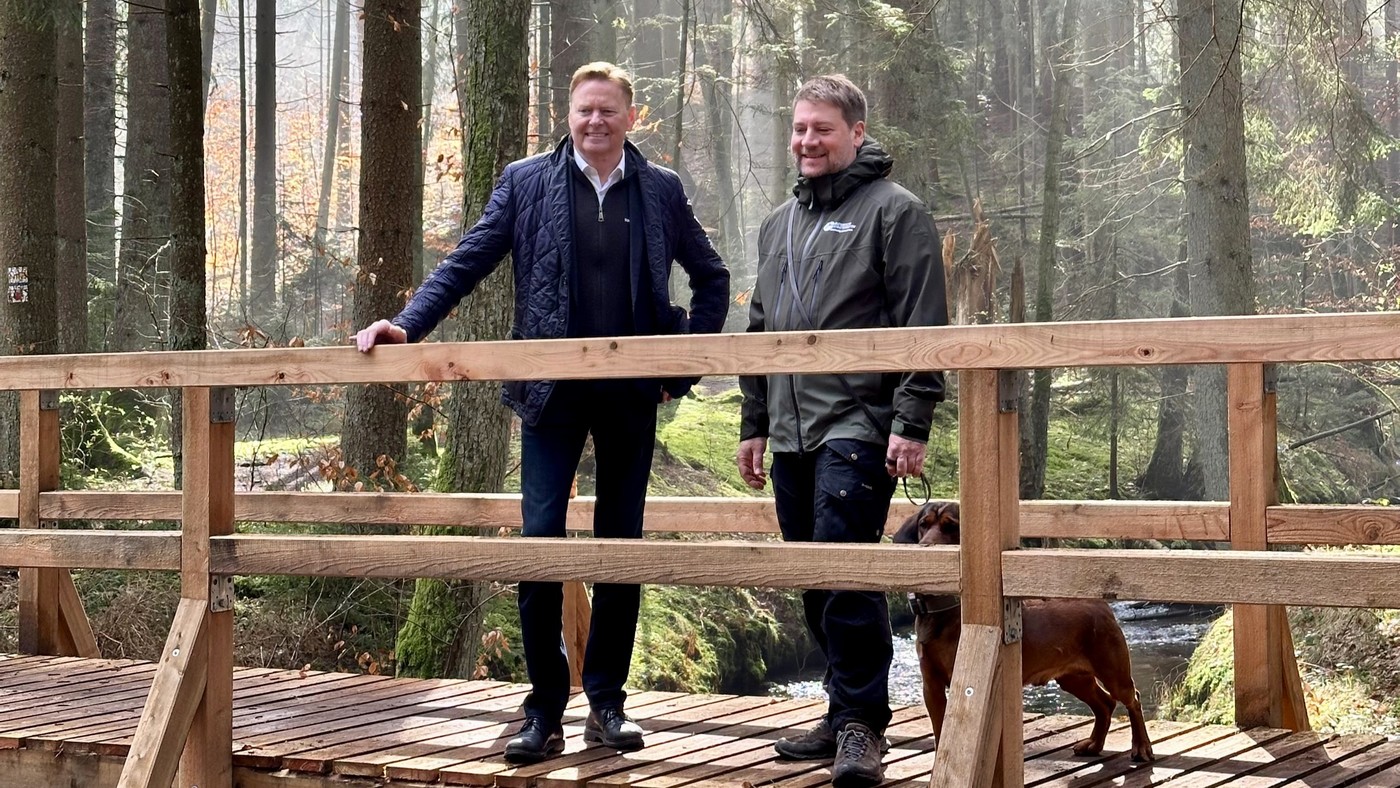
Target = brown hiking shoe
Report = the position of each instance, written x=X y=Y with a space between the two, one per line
x=857 y=762
x=818 y=744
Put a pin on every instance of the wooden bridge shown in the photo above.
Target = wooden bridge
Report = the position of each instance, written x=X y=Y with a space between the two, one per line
x=77 y=720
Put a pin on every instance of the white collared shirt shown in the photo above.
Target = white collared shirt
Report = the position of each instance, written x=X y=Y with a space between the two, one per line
x=599 y=185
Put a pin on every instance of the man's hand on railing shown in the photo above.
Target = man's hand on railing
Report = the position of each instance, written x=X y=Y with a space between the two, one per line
x=751 y=462
x=379 y=332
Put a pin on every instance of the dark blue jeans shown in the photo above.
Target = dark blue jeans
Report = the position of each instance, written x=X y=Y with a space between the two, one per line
x=622 y=420
x=840 y=492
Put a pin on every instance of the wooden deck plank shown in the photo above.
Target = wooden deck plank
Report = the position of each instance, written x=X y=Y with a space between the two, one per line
x=309 y=753
x=1173 y=766
x=1305 y=762
x=364 y=730
x=1062 y=760
x=487 y=742
x=120 y=713
x=1389 y=778
x=655 y=717
x=111 y=734
x=664 y=728
x=1121 y=765
x=701 y=742
x=1356 y=766
x=1251 y=760
x=911 y=765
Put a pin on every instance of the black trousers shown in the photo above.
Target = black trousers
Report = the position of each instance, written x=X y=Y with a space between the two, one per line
x=621 y=416
x=840 y=492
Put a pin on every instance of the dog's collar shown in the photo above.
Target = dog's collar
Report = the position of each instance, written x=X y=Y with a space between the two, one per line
x=925 y=605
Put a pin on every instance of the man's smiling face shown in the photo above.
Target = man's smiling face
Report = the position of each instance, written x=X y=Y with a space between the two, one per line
x=822 y=141
x=599 y=118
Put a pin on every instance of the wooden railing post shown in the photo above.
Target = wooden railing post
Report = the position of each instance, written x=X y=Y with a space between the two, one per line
x=208 y=416
x=578 y=613
x=187 y=723
x=1268 y=690
x=51 y=617
x=982 y=743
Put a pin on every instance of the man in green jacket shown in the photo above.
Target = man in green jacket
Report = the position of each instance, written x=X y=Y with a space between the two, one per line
x=852 y=249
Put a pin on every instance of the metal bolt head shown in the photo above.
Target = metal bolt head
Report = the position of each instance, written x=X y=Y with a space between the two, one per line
x=175 y=652
x=969 y=692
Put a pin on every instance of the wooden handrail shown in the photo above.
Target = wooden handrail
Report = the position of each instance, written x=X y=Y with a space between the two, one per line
x=989 y=569
x=1353 y=337
x=1192 y=521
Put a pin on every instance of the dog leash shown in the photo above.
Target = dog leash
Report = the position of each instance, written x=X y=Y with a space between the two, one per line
x=928 y=491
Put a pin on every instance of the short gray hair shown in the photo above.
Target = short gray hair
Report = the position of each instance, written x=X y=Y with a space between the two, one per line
x=836 y=90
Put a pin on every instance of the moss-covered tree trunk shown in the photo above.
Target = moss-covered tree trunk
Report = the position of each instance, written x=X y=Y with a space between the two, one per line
x=443 y=632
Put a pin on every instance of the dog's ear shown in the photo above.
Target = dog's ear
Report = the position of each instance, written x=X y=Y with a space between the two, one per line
x=950 y=521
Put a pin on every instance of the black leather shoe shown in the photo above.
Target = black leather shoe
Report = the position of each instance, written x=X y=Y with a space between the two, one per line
x=536 y=741
x=612 y=728
x=857 y=758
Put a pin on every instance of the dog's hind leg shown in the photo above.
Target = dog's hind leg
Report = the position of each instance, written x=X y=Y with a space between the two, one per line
x=1086 y=688
x=1122 y=690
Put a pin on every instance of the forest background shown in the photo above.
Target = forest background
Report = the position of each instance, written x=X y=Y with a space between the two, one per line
x=185 y=175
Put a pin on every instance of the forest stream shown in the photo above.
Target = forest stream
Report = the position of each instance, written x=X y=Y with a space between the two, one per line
x=1161 y=638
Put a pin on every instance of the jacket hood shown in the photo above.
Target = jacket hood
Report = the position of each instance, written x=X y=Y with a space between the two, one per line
x=829 y=191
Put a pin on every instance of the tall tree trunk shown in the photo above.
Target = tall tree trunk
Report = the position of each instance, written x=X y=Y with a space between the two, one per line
x=374 y=434
x=1165 y=475
x=206 y=37
x=136 y=319
x=1392 y=82
x=717 y=56
x=187 y=252
x=605 y=36
x=243 y=244
x=571 y=28
x=443 y=630
x=1217 y=204
x=340 y=61
x=27 y=114
x=430 y=61
x=69 y=209
x=100 y=138
x=1033 y=463
x=263 y=295
x=682 y=80
x=782 y=78
x=543 y=38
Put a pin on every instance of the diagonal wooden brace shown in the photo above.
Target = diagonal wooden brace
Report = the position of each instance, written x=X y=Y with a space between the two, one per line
x=967 y=751
x=175 y=694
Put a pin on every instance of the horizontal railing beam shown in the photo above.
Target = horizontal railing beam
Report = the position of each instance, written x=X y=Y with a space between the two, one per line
x=55 y=549
x=1348 y=337
x=1161 y=520
x=1207 y=577
x=849 y=566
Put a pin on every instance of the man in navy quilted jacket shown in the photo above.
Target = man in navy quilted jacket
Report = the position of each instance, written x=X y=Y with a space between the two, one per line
x=592 y=229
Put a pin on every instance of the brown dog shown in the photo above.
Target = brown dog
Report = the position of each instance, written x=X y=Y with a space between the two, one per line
x=1076 y=642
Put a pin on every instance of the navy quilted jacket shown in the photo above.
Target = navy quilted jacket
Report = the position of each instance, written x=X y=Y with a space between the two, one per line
x=530 y=216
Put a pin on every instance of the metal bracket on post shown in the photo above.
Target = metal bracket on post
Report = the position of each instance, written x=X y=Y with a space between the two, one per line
x=1011 y=626
x=1271 y=378
x=48 y=399
x=220 y=593
x=1008 y=390
x=222 y=408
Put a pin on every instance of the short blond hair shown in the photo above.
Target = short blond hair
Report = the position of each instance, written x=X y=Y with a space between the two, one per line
x=608 y=72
